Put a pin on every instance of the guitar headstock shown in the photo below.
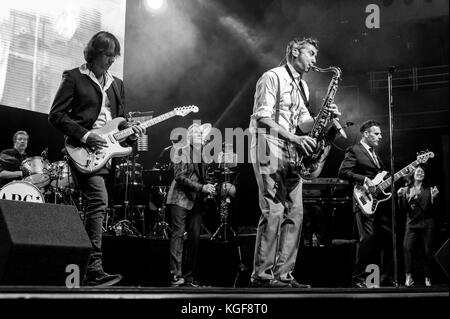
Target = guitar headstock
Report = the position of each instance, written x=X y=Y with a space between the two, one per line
x=423 y=157
x=185 y=110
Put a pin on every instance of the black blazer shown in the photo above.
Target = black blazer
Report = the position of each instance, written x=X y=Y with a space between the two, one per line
x=188 y=181
x=358 y=164
x=78 y=102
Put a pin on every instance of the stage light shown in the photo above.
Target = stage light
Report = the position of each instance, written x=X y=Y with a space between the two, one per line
x=155 y=6
x=66 y=22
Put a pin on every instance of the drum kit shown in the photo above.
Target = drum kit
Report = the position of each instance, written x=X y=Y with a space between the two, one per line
x=126 y=217
x=43 y=182
x=140 y=209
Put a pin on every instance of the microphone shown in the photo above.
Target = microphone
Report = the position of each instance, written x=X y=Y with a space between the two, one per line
x=339 y=128
x=391 y=69
x=347 y=124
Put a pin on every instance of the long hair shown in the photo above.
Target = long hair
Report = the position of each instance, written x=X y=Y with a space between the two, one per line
x=100 y=43
x=409 y=179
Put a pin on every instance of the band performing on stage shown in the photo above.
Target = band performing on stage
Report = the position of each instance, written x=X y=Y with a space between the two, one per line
x=194 y=185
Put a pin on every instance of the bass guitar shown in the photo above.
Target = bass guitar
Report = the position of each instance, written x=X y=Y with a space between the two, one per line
x=89 y=161
x=368 y=202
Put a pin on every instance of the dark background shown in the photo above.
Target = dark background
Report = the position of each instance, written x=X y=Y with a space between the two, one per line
x=211 y=53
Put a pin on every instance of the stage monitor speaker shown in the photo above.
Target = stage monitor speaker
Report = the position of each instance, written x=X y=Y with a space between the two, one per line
x=38 y=241
x=442 y=257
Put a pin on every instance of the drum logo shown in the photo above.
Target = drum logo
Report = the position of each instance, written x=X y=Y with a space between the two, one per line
x=21 y=191
x=22 y=197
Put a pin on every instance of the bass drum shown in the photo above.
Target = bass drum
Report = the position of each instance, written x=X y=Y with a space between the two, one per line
x=21 y=191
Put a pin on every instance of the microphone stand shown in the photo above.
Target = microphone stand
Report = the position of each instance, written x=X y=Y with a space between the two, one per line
x=391 y=133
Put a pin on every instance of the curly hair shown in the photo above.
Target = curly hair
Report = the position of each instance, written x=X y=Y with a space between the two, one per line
x=298 y=43
x=409 y=179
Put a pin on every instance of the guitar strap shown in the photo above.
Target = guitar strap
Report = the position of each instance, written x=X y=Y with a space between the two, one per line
x=119 y=99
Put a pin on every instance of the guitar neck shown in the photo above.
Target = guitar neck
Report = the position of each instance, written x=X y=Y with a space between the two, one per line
x=402 y=173
x=129 y=131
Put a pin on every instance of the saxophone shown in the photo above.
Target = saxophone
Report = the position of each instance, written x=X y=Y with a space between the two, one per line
x=310 y=166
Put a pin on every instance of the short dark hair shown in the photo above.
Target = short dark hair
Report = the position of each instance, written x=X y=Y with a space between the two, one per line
x=100 y=43
x=368 y=124
x=298 y=43
x=19 y=133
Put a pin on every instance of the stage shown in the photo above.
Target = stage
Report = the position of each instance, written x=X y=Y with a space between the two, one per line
x=223 y=302
x=225 y=274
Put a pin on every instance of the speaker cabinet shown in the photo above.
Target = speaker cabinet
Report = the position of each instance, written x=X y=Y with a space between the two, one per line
x=442 y=257
x=38 y=241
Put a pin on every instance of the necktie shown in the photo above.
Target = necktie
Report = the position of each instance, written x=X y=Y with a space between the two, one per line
x=374 y=156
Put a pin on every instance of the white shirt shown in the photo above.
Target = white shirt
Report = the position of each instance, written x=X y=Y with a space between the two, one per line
x=292 y=110
x=105 y=111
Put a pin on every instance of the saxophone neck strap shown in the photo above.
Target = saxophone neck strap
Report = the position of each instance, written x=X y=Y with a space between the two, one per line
x=299 y=85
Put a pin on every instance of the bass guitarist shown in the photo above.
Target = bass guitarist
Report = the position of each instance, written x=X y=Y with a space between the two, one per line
x=89 y=97
x=360 y=165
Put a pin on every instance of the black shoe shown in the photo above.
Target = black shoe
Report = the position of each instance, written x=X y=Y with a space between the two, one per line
x=101 y=279
x=295 y=284
x=193 y=284
x=272 y=283
x=359 y=284
x=388 y=282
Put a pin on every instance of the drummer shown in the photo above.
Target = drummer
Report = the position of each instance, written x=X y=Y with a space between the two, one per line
x=10 y=159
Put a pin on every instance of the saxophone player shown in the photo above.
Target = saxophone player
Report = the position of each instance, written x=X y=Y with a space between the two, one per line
x=280 y=107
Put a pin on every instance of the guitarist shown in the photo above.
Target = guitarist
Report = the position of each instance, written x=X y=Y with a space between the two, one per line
x=87 y=98
x=360 y=165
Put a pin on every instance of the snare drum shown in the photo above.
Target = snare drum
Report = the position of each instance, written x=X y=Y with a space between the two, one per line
x=61 y=175
x=36 y=171
x=21 y=191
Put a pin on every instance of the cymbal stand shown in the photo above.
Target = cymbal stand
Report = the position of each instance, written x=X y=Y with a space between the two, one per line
x=161 y=229
x=241 y=266
x=125 y=226
x=225 y=232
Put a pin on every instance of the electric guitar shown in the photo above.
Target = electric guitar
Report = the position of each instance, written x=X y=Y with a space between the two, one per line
x=88 y=160
x=368 y=202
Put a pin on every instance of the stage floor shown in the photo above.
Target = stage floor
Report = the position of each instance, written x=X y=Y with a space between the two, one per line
x=222 y=302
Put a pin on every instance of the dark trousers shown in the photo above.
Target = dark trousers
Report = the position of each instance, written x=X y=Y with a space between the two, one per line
x=95 y=198
x=374 y=246
x=412 y=237
x=184 y=262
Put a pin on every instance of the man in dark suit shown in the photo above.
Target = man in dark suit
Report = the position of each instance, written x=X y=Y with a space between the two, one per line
x=360 y=165
x=88 y=97
x=184 y=201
